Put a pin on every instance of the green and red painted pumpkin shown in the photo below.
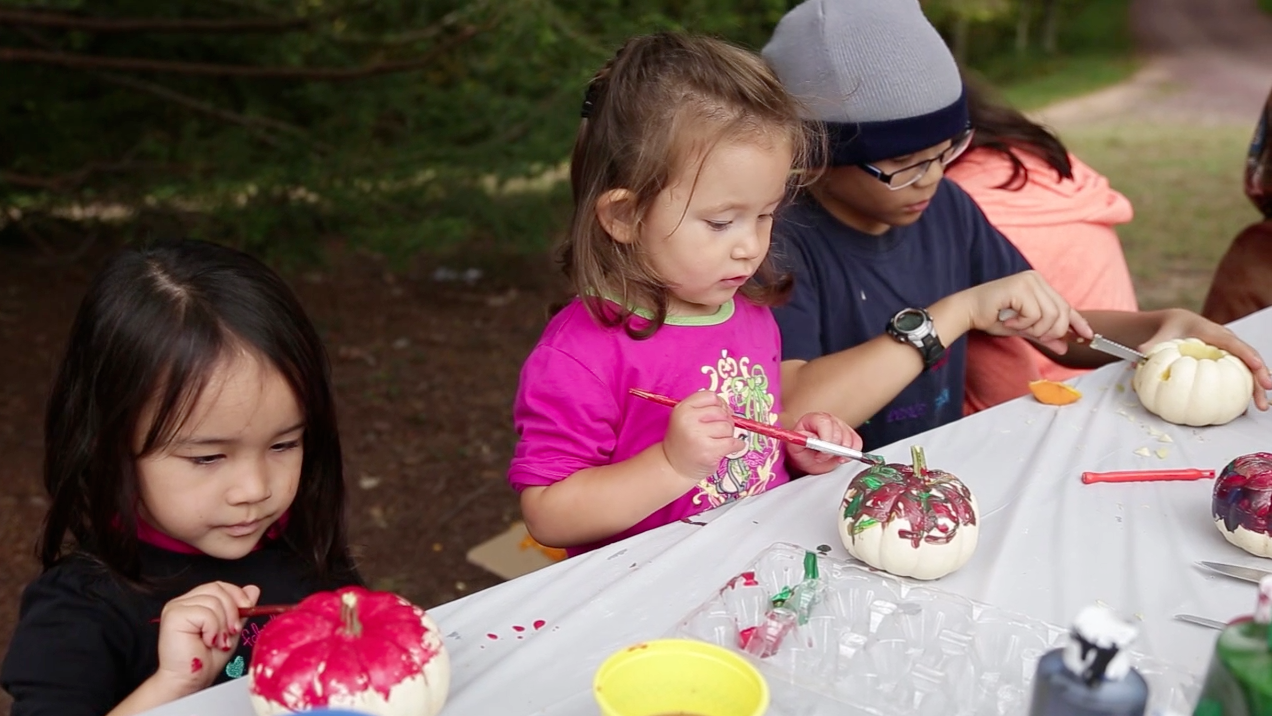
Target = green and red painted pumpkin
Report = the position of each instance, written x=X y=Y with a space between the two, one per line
x=909 y=520
x=372 y=652
x=1242 y=502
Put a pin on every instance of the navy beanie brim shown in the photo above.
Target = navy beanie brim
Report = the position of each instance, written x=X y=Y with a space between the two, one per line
x=850 y=143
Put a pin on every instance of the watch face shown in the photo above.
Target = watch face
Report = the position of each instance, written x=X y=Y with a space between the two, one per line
x=909 y=321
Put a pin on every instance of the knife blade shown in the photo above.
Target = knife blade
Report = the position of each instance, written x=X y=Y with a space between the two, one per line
x=1097 y=342
x=1202 y=621
x=1250 y=574
x=1115 y=349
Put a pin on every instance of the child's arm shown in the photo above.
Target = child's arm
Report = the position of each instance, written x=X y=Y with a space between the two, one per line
x=599 y=502
x=197 y=633
x=856 y=383
x=1144 y=329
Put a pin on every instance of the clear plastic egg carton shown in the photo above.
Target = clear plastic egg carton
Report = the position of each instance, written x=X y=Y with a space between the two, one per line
x=877 y=645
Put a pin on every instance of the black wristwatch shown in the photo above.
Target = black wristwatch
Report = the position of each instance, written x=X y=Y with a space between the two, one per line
x=913 y=326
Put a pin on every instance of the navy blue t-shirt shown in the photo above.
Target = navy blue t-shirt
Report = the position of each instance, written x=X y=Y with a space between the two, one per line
x=848 y=284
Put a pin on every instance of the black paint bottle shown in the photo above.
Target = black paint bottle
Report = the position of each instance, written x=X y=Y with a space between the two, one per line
x=1091 y=675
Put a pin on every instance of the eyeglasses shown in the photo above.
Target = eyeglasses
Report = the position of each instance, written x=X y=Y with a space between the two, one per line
x=902 y=178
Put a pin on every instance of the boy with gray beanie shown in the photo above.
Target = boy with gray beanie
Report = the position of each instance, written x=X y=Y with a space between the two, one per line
x=892 y=264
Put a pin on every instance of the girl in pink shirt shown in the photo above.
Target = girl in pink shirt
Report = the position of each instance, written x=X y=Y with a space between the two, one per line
x=685 y=151
x=1060 y=214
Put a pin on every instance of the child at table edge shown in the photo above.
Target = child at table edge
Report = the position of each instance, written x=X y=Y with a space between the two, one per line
x=887 y=281
x=193 y=465
x=684 y=154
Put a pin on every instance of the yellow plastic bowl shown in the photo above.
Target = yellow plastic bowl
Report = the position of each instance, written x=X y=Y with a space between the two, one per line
x=679 y=676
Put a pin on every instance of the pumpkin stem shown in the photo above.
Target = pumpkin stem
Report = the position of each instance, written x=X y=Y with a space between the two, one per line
x=917 y=460
x=349 y=614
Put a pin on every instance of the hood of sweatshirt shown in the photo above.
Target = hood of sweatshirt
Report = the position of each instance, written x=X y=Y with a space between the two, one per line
x=1045 y=199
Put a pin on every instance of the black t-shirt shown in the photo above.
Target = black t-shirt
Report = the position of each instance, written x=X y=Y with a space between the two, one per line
x=85 y=640
x=848 y=284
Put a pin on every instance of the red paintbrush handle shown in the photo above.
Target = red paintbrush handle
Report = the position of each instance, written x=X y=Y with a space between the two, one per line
x=771 y=431
x=261 y=611
x=1147 y=475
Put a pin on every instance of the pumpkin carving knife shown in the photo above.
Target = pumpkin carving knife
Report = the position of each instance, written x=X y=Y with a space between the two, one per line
x=1097 y=342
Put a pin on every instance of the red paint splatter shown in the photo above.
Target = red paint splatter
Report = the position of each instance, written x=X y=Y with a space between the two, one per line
x=492 y=636
x=196 y=665
x=518 y=628
x=538 y=624
x=748 y=579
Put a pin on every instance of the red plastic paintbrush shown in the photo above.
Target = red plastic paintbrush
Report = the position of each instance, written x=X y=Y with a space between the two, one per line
x=773 y=431
x=1147 y=475
x=261 y=611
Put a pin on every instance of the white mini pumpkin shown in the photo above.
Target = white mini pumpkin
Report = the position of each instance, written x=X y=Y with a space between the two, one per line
x=1188 y=382
x=909 y=520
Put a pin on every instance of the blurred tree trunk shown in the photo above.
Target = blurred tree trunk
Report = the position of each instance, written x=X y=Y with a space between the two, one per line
x=962 y=24
x=1049 y=25
x=1022 y=26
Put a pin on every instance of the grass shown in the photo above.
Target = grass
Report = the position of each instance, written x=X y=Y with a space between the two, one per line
x=1185 y=184
x=1096 y=51
x=1265 y=5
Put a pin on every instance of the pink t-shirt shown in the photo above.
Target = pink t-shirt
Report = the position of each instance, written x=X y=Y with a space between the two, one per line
x=573 y=411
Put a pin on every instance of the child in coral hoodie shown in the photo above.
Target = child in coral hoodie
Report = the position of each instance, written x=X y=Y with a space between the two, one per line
x=1060 y=214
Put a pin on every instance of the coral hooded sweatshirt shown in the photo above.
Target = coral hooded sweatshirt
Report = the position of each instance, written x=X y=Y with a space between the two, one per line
x=1065 y=229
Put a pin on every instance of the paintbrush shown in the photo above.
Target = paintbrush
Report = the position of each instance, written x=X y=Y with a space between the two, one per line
x=773 y=431
x=265 y=610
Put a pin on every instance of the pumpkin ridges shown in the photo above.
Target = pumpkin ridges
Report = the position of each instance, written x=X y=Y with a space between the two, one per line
x=891 y=517
x=295 y=668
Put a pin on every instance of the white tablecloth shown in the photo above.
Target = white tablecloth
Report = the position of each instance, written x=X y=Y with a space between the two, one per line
x=1049 y=545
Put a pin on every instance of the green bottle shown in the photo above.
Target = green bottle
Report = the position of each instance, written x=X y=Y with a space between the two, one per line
x=1239 y=680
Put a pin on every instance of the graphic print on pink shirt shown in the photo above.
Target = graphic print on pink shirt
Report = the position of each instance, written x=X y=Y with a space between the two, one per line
x=744 y=386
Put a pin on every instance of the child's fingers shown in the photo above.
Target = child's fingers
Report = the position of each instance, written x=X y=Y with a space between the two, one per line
x=253 y=593
x=200 y=616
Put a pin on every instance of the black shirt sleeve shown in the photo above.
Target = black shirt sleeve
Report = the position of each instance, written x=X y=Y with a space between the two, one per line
x=70 y=648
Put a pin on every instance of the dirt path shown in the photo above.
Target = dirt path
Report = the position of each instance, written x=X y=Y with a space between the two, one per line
x=1207 y=62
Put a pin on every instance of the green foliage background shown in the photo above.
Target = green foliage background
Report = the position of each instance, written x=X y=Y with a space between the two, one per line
x=459 y=150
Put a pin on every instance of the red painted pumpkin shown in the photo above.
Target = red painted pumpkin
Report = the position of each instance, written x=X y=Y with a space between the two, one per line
x=373 y=652
x=909 y=520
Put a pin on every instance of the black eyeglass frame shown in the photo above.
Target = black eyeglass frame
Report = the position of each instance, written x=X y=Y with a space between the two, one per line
x=960 y=141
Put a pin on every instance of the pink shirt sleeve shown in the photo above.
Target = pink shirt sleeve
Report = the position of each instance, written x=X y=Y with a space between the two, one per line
x=566 y=417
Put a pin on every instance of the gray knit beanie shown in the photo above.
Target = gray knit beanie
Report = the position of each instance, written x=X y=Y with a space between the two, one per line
x=875 y=72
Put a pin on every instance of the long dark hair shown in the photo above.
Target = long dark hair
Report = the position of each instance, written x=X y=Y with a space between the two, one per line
x=1007 y=130
x=147 y=336
x=647 y=110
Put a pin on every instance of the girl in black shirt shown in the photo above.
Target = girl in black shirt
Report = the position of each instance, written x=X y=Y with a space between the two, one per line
x=193 y=466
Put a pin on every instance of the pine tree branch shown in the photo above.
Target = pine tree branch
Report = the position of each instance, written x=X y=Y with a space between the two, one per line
x=258 y=126
x=136 y=64
x=66 y=182
x=60 y=21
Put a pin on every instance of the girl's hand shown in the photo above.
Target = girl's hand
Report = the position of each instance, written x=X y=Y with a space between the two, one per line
x=699 y=435
x=822 y=426
x=198 y=631
x=1041 y=313
x=1181 y=323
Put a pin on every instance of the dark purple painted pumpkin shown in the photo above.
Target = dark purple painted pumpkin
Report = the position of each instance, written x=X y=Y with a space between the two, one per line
x=1242 y=503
